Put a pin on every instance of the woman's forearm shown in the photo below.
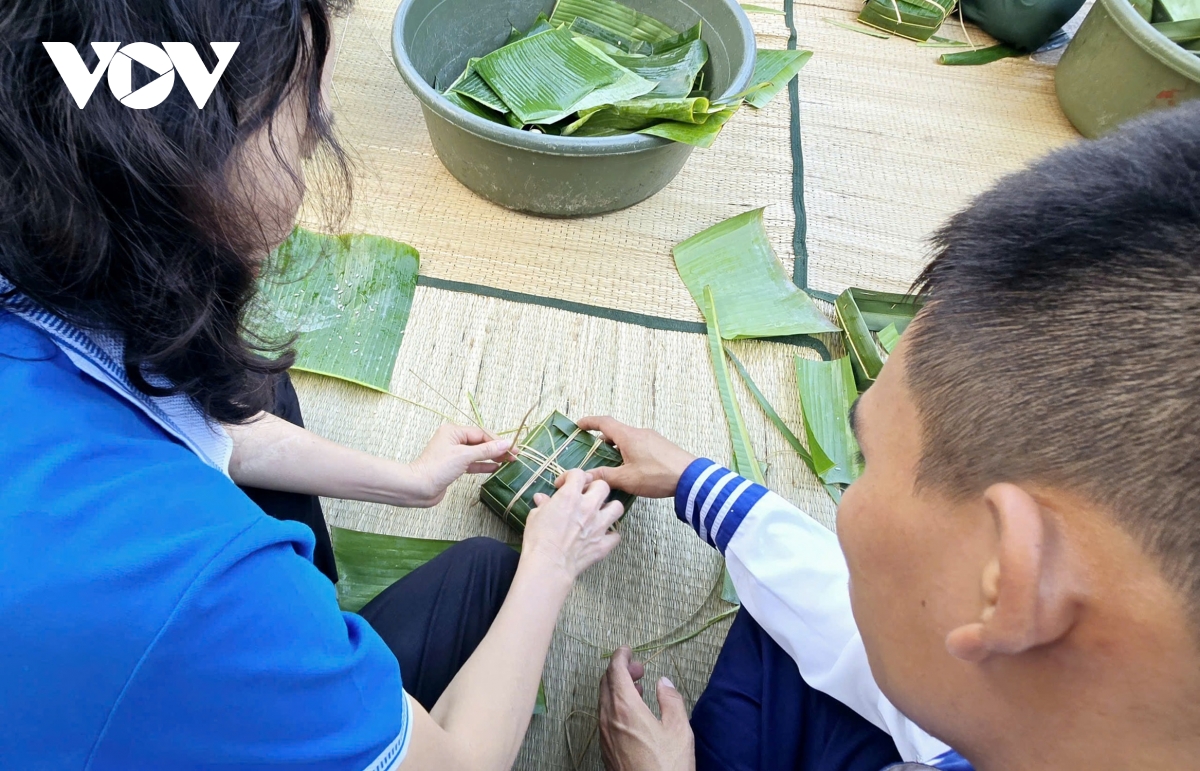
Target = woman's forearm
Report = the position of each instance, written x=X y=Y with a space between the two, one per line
x=273 y=454
x=498 y=685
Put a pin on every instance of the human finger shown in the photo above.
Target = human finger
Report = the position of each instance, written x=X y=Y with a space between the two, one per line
x=610 y=513
x=472 y=435
x=596 y=493
x=586 y=476
x=539 y=499
x=493 y=450
x=612 y=428
x=671 y=706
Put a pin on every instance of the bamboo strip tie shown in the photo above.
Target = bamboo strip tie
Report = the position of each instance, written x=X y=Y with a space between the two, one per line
x=547 y=463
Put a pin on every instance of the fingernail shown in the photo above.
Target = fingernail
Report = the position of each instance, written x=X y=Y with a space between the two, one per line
x=667 y=682
x=504 y=444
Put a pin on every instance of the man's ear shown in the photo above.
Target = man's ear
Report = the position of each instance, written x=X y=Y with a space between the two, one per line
x=1031 y=586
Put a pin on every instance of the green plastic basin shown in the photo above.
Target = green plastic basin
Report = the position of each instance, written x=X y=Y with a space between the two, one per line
x=1119 y=67
x=537 y=173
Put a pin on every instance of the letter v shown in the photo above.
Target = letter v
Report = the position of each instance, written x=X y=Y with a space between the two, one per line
x=80 y=82
x=199 y=81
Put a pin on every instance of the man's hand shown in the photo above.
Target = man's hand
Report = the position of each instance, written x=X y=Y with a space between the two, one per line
x=631 y=738
x=653 y=465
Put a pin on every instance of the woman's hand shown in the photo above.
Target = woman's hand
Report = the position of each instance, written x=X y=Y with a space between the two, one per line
x=569 y=532
x=653 y=464
x=452 y=452
x=631 y=737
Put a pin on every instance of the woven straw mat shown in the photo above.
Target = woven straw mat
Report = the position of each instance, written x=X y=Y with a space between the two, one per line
x=893 y=143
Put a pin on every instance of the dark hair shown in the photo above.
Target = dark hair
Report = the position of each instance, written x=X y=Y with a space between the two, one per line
x=124 y=220
x=1060 y=342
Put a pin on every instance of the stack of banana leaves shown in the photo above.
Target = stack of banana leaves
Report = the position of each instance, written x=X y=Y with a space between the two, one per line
x=1179 y=20
x=913 y=19
x=597 y=68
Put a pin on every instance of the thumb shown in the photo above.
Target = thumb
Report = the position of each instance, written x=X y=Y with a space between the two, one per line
x=493 y=450
x=614 y=476
x=670 y=704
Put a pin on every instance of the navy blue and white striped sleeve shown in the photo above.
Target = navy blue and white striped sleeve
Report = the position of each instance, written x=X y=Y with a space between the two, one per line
x=791 y=576
x=715 y=501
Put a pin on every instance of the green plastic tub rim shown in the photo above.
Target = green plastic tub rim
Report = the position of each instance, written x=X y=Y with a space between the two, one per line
x=547 y=143
x=1151 y=40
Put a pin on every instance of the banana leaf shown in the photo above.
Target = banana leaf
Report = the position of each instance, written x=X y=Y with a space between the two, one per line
x=540 y=24
x=621 y=19
x=744 y=461
x=614 y=43
x=623 y=117
x=542 y=79
x=347 y=296
x=1175 y=10
x=554 y=446
x=835 y=492
x=753 y=294
x=628 y=86
x=674 y=71
x=683 y=38
x=775 y=69
x=368 y=563
x=889 y=338
x=702 y=135
x=472 y=86
x=1145 y=8
x=826 y=392
x=980 y=55
x=1184 y=31
x=913 y=19
x=861 y=312
x=751 y=8
x=475 y=108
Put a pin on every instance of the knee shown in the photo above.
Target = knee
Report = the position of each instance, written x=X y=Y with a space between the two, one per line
x=494 y=556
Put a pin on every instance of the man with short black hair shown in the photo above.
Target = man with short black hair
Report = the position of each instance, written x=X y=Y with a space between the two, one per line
x=1016 y=574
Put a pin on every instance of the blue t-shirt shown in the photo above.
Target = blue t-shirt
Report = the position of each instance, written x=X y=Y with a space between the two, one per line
x=151 y=616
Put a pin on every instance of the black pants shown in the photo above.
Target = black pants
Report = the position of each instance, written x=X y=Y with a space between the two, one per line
x=434 y=617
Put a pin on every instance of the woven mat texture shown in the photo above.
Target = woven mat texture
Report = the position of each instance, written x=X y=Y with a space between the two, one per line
x=893 y=144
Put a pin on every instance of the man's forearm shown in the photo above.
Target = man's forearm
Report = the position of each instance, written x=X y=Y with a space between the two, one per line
x=273 y=454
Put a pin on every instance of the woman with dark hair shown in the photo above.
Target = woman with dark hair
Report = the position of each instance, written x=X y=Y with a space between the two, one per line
x=154 y=616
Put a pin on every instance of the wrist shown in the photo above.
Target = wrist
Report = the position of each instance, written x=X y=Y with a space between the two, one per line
x=545 y=571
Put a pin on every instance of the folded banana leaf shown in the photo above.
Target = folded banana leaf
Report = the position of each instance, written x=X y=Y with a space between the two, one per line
x=614 y=43
x=773 y=70
x=1144 y=8
x=554 y=446
x=913 y=19
x=674 y=71
x=368 y=563
x=699 y=135
x=623 y=117
x=980 y=55
x=889 y=338
x=472 y=86
x=348 y=298
x=856 y=28
x=744 y=461
x=862 y=312
x=827 y=390
x=620 y=19
x=628 y=86
x=753 y=295
x=540 y=24
x=542 y=79
x=1175 y=10
x=475 y=108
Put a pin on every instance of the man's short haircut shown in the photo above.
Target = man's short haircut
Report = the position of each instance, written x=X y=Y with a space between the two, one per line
x=1060 y=343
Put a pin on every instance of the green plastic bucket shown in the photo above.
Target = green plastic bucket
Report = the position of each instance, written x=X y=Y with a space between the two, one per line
x=1118 y=67
x=537 y=173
